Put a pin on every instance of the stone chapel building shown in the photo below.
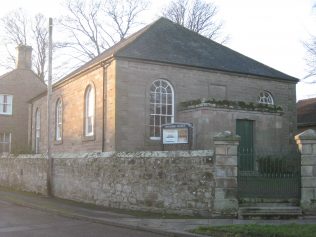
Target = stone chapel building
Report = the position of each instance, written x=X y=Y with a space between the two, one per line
x=162 y=74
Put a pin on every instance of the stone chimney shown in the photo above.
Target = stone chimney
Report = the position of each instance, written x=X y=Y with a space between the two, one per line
x=24 y=60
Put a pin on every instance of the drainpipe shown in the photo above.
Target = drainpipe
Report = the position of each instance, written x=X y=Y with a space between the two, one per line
x=49 y=112
x=104 y=66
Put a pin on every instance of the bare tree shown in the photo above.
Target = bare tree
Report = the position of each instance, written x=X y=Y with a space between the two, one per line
x=196 y=15
x=19 y=28
x=40 y=39
x=311 y=57
x=96 y=25
x=310 y=47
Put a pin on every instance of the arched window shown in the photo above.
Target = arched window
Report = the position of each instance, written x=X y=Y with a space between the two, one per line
x=37 y=130
x=58 y=120
x=161 y=106
x=265 y=97
x=89 y=111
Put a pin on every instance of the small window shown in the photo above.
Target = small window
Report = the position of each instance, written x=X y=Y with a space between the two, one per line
x=58 y=120
x=265 y=98
x=6 y=104
x=161 y=107
x=89 y=111
x=5 y=143
x=37 y=130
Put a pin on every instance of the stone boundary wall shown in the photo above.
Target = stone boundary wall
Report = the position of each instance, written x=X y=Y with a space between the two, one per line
x=179 y=182
x=24 y=172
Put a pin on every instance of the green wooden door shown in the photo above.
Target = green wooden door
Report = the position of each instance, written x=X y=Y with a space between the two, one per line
x=244 y=128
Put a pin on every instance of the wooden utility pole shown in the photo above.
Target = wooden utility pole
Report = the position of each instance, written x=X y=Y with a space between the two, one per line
x=49 y=111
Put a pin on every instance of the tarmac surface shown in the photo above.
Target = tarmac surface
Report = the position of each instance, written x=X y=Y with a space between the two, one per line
x=19 y=221
x=128 y=219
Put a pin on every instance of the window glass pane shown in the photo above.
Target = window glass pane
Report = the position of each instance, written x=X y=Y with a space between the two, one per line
x=151 y=122
x=265 y=98
x=169 y=119
x=164 y=99
x=152 y=131
x=152 y=97
x=161 y=106
x=90 y=110
x=165 y=120
x=163 y=109
x=157 y=120
x=169 y=112
x=169 y=100
x=157 y=131
x=157 y=83
x=58 y=120
x=152 y=109
x=163 y=90
x=157 y=98
x=164 y=84
x=37 y=130
x=6 y=104
x=158 y=108
x=38 y=119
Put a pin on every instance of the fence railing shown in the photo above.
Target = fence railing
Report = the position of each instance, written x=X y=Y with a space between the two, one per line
x=268 y=175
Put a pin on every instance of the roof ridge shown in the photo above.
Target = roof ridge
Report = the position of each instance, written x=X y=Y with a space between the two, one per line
x=166 y=41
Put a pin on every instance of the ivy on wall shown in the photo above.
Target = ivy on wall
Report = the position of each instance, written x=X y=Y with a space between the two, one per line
x=241 y=105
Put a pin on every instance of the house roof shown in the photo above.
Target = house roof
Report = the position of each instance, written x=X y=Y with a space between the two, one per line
x=306 y=112
x=167 y=42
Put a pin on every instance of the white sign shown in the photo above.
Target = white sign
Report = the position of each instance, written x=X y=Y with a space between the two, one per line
x=175 y=135
x=170 y=136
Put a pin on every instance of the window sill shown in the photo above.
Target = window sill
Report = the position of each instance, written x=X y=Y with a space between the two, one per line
x=59 y=142
x=5 y=114
x=88 y=138
x=154 y=138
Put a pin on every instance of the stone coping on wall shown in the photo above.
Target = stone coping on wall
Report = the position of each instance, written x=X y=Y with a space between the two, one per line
x=226 y=136
x=206 y=106
x=25 y=156
x=309 y=134
x=135 y=154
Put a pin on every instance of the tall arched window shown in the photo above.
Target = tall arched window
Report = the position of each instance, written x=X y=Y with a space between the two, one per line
x=161 y=106
x=265 y=97
x=89 y=111
x=37 y=130
x=58 y=120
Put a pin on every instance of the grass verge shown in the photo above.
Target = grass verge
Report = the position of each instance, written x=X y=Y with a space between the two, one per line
x=254 y=230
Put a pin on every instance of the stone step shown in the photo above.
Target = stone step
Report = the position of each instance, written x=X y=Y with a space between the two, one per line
x=269 y=204
x=267 y=212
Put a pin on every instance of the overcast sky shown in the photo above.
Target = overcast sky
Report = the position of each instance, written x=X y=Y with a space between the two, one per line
x=270 y=31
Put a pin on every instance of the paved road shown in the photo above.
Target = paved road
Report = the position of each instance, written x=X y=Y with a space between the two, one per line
x=18 y=221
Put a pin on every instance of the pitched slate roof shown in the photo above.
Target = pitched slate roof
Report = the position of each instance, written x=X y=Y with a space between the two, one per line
x=306 y=112
x=167 y=42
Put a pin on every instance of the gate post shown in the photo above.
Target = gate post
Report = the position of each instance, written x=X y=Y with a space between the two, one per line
x=306 y=142
x=226 y=200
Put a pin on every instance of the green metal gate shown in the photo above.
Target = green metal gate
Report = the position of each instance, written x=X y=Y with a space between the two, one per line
x=265 y=175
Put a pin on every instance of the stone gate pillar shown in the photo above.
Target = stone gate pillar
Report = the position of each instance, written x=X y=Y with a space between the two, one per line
x=226 y=200
x=306 y=142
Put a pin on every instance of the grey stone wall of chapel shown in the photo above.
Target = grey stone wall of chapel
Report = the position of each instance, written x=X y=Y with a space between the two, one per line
x=133 y=80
